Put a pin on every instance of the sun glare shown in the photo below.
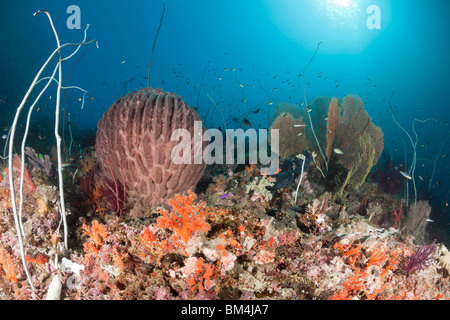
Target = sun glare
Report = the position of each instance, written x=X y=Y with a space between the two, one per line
x=339 y=9
x=341 y=3
x=340 y=24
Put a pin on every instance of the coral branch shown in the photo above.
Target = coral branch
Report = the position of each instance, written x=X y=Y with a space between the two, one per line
x=397 y=214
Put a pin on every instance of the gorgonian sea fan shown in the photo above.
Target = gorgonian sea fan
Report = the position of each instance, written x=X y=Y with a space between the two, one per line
x=421 y=258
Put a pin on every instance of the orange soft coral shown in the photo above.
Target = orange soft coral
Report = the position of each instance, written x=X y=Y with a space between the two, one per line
x=7 y=264
x=97 y=232
x=382 y=258
x=186 y=217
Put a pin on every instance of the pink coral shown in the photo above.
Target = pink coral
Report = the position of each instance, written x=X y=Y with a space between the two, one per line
x=264 y=256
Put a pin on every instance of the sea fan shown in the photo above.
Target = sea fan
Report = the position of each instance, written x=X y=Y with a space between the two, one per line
x=421 y=258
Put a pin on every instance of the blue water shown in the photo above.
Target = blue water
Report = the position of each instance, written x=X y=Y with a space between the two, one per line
x=404 y=64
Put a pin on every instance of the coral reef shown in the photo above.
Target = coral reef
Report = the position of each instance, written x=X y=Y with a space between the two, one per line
x=241 y=235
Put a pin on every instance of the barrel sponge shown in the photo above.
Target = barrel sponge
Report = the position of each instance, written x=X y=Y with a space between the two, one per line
x=134 y=148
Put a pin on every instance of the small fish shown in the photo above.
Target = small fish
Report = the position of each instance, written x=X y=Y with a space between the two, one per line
x=338 y=151
x=337 y=86
x=309 y=110
x=247 y=123
x=429 y=220
x=219 y=77
x=224 y=196
x=241 y=85
x=243 y=100
x=407 y=176
x=92 y=98
x=275 y=77
x=226 y=69
x=443 y=156
x=69 y=123
x=420 y=178
x=274 y=89
x=66 y=164
x=300 y=134
x=123 y=61
x=329 y=131
x=4 y=136
x=257 y=111
x=79 y=99
x=326 y=119
x=300 y=125
x=301 y=104
x=270 y=103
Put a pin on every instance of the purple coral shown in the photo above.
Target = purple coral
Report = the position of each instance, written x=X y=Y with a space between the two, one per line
x=421 y=258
